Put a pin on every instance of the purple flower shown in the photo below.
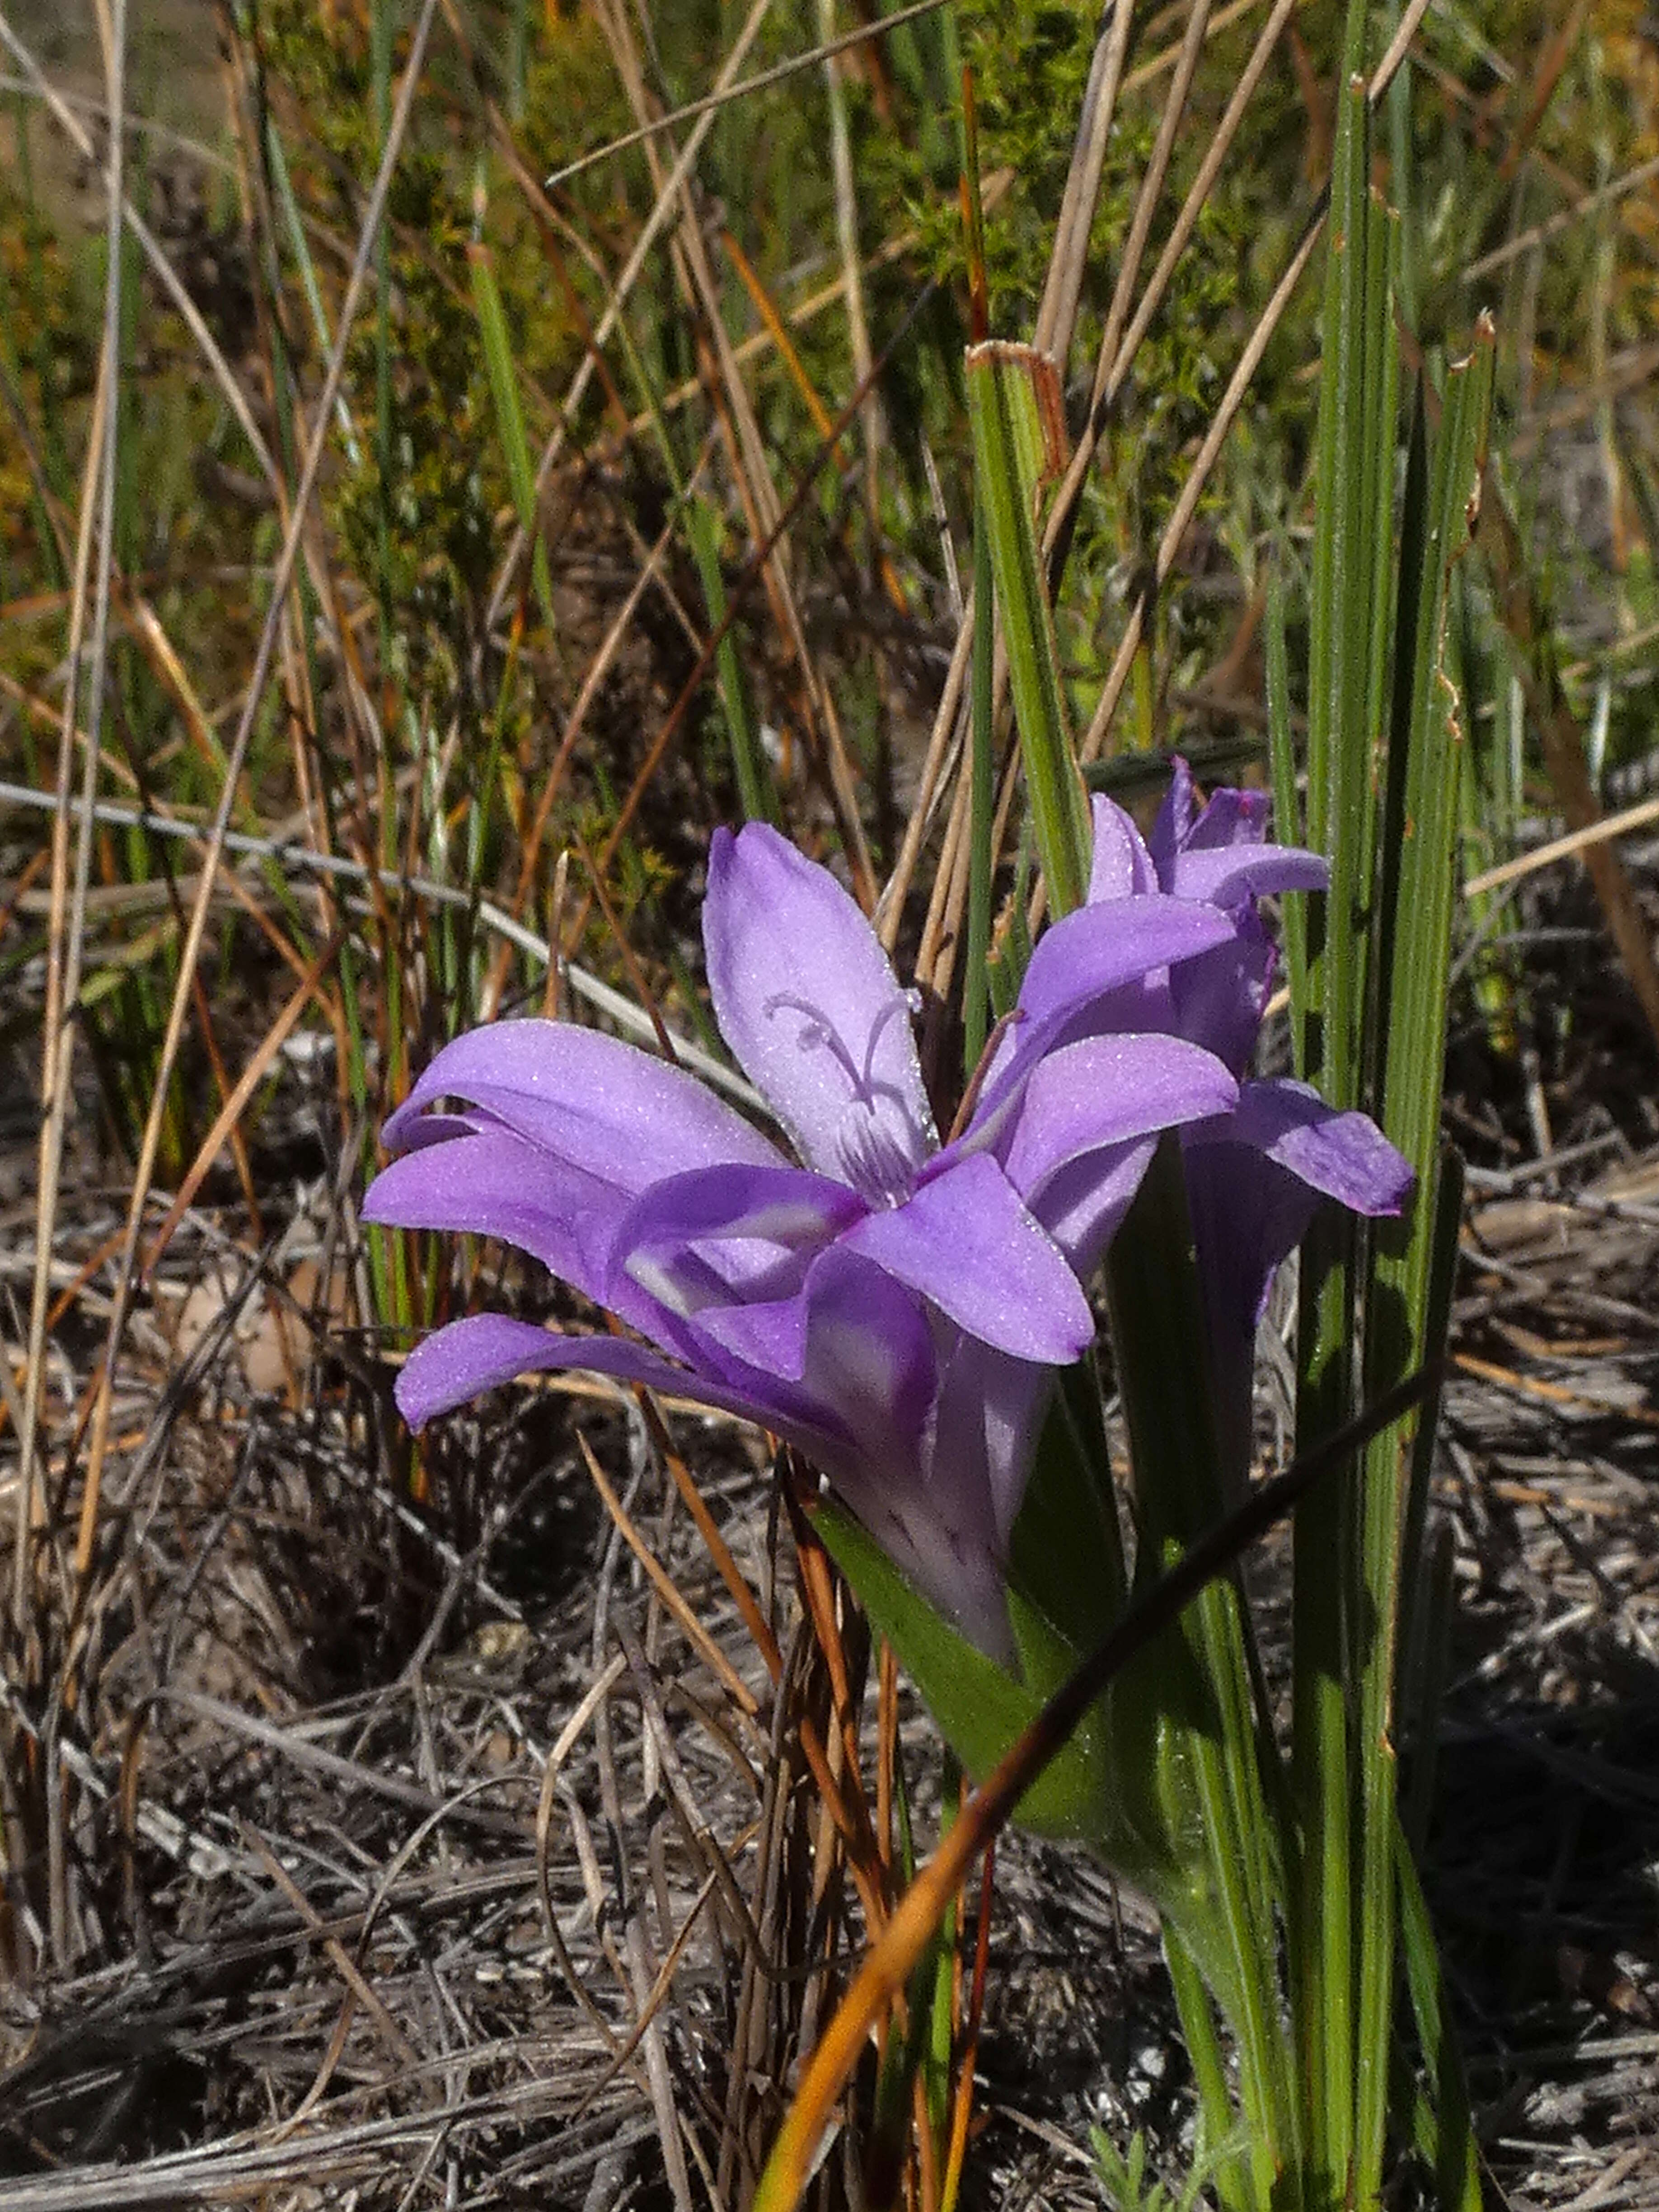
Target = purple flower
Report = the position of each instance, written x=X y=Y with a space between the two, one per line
x=1256 y=1174
x=894 y=1309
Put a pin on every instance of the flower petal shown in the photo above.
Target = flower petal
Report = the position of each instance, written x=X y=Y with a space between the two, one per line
x=1085 y=1125
x=1227 y=875
x=1078 y=967
x=870 y=1356
x=1099 y=949
x=990 y=1409
x=1344 y=1156
x=1105 y=1092
x=1232 y=817
x=614 y=1112
x=1173 y=822
x=967 y=1243
x=1249 y=1214
x=487 y=1350
x=1122 y=868
x=773 y=1208
x=1082 y=1207
x=1220 y=998
x=1255 y=1181
x=938 y=1547
x=1221 y=855
x=808 y=1002
x=489 y=1181
x=872 y=1353
x=727 y=1249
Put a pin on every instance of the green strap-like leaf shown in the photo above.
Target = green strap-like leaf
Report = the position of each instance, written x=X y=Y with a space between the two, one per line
x=1013 y=405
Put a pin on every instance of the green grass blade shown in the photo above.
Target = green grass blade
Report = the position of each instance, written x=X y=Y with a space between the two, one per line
x=382 y=29
x=975 y=980
x=1287 y=806
x=1452 y=2148
x=1159 y=1343
x=1418 y=893
x=1341 y=614
x=283 y=184
x=1198 y=2028
x=1007 y=385
x=1381 y=452
x=509 y=416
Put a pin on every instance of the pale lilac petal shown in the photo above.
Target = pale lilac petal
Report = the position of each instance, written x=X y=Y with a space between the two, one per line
x=756 y=1228
x=870 y=1355
x=1085 y=1127
x=727 y=1250
x=1232 y=817
x=431 y=1127
x=869 y=1384
x=1122 y=868
x=1105 y=1092
x=860 y=1417
x=770 y=1337
x=1222 y=996
x=1220 y=856
x=967 y=1243
x=807 y=1000
x=1082 y=1205
x=990 y=1410
x=1227 y=875
x=487 y=1350
x=1118 y=950
x=1255 y=1182
x=619 y=1115
x=1173 y=822
x=1255 y=1178
x=487 y=1182
x=920 y=1480
x=939 y=1550
x=1249 y=1215
x=1099 y=949
x=1344 y=1156
x=1100 y=968
x=863 y=1411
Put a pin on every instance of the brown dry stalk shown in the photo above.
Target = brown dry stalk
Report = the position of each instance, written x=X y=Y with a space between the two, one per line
x=664 y=206
x=1192 y=490
x=663 y=1582
x=63 y=115
x=1553 y=1394
x=65 y=942
x=226 y=1125
x=1068 y=258
x=358 y=1989
x=737 y=597
x=714 y=1543
x=599 y=668
x=280 y=582
x=768 y=520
